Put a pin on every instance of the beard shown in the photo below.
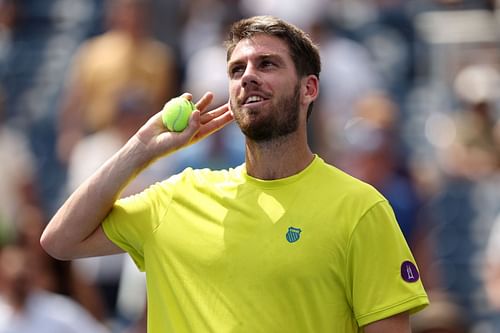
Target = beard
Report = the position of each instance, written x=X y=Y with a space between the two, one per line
x=282 y=118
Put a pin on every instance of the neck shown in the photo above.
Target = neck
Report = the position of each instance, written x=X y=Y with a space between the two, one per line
x=278 y=158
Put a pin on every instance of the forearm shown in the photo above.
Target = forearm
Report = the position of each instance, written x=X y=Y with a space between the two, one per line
x=75 y=230
x=79 y=217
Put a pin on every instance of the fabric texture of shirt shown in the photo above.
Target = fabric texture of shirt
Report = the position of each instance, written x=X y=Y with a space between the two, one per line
x=319 y=251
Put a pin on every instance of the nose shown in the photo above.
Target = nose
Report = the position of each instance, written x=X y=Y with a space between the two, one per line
x=250 y=77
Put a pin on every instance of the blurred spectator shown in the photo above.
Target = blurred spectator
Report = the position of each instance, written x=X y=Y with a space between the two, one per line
x=373 y=153
x=17 y=188
x=486 y=199
x=385 y=29
x=43 y=34
x=302 y=13
x=109 y=272
x=27 y=309
x=125 y=57
x=8 y=15
x=496 y=135
x=374 y=156
x=492 y=272
x=347 y=75
x=204 y=24
x=474 y=154
x=53 y=275
x=443 y=315
x=132 y=109
x=205 y=70
x=389 y=37
x=467 y=201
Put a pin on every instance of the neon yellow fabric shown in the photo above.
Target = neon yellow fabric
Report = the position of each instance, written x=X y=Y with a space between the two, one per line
x=224 y=252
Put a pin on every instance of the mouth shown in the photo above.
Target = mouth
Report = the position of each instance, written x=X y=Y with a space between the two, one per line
x=252 y=100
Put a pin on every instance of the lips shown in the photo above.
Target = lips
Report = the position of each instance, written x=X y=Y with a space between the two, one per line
x=253 y=99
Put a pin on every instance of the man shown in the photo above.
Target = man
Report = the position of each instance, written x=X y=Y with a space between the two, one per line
x=283 y=243
x=124 y=59
x=26 y=307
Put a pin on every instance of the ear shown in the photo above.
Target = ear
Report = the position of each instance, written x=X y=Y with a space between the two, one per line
x=310 y=89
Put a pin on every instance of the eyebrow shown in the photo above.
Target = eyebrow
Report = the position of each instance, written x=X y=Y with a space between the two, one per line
x=265 y=56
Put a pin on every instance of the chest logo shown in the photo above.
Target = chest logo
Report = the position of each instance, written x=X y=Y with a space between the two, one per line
x=293 y=234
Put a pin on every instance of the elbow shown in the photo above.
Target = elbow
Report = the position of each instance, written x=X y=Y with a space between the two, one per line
x=53 y=247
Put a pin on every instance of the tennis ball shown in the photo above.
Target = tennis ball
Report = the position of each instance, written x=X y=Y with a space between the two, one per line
x=176 y=113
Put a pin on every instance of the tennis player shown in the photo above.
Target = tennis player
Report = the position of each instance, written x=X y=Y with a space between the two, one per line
x=282 y=243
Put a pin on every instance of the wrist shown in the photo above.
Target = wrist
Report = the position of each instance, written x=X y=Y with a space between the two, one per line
x=134 y=154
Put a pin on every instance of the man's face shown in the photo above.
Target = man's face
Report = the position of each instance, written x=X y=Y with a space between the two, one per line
x=264 y=88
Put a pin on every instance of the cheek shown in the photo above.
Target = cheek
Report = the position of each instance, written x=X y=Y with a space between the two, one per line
x=233 y=91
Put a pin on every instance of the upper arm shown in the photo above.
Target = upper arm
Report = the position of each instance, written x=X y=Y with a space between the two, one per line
x=383 y=278
x=98 y=244
x=399 y=323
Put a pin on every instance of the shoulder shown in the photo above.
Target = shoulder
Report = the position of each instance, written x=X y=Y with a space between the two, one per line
x=159 y=47
x=95 y=43
x=342 y=185
x=158 y=52
x=205 y=177
x=92 y=50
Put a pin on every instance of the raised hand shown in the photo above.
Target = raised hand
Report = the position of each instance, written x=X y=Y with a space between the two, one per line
x=158 y=141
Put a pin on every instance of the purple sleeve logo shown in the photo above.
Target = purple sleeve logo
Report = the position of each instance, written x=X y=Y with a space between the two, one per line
x=409 y=272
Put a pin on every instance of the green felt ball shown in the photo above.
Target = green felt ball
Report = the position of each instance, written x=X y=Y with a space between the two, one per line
x=176 y=113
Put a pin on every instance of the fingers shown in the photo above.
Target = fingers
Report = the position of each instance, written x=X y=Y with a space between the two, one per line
x=187 y=96
x=215 y=123
x=204 y=121
x=209 y=115
x=204 y=101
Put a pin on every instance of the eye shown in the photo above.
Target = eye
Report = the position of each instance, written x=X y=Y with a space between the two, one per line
x=267 y=63
x=236 y=71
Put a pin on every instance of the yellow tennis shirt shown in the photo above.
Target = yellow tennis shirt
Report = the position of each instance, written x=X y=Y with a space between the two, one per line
x=319 y=251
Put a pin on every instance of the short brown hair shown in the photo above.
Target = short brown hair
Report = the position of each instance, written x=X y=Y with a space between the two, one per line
x=303 y=51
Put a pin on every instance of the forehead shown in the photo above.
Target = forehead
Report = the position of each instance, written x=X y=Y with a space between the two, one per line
x=260 y=45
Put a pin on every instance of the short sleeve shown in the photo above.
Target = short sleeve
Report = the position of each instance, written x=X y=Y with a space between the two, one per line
x=133 y=219
x=382 y=274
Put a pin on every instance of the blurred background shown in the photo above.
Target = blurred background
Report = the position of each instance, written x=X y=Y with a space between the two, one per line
x=409 y=102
